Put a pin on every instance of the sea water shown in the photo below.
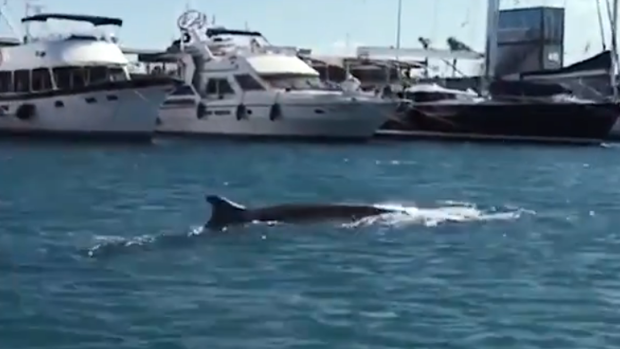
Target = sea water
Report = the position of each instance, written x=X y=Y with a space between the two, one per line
x=495 y=247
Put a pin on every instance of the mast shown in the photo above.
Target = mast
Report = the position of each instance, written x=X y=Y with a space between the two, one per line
x=398 y=25
x=27 y=7
x=614 y=50
x=399 y=13
x=600 y=23
x=490 y=56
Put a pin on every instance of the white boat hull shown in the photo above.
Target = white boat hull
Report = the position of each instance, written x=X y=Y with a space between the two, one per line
x=131 y=116
x=337 y=121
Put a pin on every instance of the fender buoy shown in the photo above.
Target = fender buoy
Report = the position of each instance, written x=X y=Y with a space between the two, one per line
x=201 y=110
x=275 y=112
x=241 y=112
x=25 y=111
x=158 y=121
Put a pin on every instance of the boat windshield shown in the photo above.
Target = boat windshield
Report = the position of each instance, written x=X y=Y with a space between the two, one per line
x=294 y=81
x=432 y=96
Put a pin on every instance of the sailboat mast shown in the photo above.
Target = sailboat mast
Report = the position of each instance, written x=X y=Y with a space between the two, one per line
x=399 y=12
x=398 y=26
x=614 y=50
x=491 y=39
x=600 y=23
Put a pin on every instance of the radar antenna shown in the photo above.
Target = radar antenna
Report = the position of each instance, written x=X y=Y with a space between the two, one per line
x=192 y=19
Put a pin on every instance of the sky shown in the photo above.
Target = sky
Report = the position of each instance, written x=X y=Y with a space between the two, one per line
x=327 y=26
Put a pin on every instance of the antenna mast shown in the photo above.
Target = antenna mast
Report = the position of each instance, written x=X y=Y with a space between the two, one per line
x=398 y=26
x=614 y=48
x=600 y=24
x=27 y=24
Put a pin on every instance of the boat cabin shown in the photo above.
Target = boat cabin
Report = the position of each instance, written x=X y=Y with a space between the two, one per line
x=70 y=62
x=231 y=69
x=260 y=72
x=59 y=78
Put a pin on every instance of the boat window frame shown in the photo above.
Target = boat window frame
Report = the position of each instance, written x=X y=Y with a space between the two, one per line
x=76 y=79
x=441 y=96
x=68 y=79
x=258 y=86
x=89 y=69
x=6 y=84
x=183 y=90
x=113 y=72
x=24 y=85
x=47 y=82
x=216 y=83
x=291 y=80
x=52 y=79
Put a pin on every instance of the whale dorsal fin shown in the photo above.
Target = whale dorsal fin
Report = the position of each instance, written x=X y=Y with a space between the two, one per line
x=224 y=211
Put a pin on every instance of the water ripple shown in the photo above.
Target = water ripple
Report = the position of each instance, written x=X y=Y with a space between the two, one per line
x=510 y=247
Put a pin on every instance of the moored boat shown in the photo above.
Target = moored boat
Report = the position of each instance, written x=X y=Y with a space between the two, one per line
x=259 y=91
x=76 y=87
x=518 y=111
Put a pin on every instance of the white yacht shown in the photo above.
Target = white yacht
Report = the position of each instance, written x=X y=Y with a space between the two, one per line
x=75 y=86
x=260 y=91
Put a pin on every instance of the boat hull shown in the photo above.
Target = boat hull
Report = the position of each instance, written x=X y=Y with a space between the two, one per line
x=353 y=121
x=528 y=122
x=128 y=115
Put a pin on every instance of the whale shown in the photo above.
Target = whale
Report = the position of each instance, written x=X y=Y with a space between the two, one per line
x=225 y=213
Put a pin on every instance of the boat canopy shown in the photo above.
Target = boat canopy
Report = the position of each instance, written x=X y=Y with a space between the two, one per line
x=94 y=20
x=211 y=32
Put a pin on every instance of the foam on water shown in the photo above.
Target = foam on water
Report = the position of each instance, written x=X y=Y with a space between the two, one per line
x=453 y=211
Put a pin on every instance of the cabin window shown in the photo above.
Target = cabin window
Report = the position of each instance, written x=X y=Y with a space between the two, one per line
x=248 y=83
x=184 y=90
x=70 y=77
x=117 y=74
x=78 y=77
x=219 y=87
x=6 y=82
x=97 y=75
x=212 y=87
x=62 y=77
x=429 y=96
x=22 y=81
x=224 y=88
x=180 y=102
x=41 y=80
x=293 y=81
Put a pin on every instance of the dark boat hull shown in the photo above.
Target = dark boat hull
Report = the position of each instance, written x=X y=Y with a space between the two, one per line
x=519 y=121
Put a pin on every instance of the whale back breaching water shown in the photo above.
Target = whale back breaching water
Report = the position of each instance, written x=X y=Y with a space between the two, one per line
x=394 y=217
x=225 y=212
